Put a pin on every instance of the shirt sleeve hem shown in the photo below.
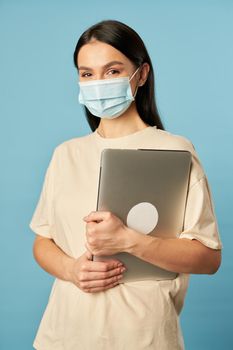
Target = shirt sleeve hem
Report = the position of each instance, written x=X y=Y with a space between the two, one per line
x=40 y=231
x=206 y=242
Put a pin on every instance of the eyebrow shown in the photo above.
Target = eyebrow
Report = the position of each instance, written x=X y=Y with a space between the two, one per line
x=105 y=66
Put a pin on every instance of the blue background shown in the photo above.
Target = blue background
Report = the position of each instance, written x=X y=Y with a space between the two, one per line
x=190 y=44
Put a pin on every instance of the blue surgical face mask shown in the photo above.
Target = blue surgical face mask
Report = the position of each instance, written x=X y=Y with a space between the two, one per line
x=107 y=98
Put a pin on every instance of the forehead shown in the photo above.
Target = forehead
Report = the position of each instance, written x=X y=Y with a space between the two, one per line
x=97 y=54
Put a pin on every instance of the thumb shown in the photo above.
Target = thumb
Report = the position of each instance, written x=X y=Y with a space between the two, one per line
x=88 y=255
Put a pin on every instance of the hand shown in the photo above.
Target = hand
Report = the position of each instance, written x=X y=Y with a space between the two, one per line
x=95 y=276
x=106 y=234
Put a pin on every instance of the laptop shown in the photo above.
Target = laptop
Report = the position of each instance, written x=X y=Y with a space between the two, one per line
x=147 y=190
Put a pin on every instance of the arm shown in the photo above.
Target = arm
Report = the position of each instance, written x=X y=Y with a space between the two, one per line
x=52 y=259
x=88 y=275
x=106 y=235
x=176 y=254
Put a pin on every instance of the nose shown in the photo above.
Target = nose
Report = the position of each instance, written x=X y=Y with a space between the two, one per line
x=98 y=76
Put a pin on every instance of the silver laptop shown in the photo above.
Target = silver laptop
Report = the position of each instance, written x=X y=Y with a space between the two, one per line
x=147 y=190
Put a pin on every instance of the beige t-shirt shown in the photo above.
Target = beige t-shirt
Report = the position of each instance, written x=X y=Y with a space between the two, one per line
x=133 y=315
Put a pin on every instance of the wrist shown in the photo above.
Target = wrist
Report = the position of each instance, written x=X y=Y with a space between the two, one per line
x=68 y=267
x=138 y=243
x=134 y=239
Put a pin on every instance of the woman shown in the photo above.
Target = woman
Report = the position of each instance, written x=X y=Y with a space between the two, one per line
x=89 y=307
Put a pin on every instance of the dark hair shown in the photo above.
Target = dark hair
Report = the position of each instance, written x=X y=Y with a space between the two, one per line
x=126 y=40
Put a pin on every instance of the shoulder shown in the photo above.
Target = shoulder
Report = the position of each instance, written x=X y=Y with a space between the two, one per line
x=76 y=141
x=72 y=144
x=67 y=150
x=169 y=140
x=174 y=141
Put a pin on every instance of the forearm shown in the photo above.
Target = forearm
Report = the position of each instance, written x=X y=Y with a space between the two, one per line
x=52 y=259
x=178 y=255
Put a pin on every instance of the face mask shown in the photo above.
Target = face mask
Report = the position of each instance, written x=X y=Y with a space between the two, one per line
x=107 y=98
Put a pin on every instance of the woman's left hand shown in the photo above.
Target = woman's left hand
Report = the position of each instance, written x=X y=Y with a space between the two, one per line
x=106 y=234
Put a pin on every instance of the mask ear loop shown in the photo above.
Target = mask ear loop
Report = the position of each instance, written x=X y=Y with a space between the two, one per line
x=134 y=73
x=137 y=85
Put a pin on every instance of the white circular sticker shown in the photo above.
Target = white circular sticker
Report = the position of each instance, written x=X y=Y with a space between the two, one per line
x=143 y=217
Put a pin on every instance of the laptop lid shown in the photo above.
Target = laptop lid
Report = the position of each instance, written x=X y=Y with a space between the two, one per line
x=147 y=190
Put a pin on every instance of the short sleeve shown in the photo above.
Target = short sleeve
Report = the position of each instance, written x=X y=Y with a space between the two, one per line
x=200 y=221
x=42 y=220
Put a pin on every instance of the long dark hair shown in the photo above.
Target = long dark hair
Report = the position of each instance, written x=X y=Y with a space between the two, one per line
x=127 y=41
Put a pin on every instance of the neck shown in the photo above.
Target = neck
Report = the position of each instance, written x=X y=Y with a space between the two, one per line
x=127 y=123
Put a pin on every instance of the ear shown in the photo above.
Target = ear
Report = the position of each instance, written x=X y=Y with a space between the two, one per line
x=144 y=73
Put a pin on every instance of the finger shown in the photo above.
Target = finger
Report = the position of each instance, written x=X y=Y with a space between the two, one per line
x=90 y=276
x=97 y=216
x=88 y=247
x=88 y=255
x=101 y=266
x=100 y=289
x=99 y=283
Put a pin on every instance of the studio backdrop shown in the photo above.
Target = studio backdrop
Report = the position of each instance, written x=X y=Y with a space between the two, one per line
x=190 y=43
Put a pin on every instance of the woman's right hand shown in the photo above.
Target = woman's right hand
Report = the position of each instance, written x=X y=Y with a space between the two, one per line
x=95 y=276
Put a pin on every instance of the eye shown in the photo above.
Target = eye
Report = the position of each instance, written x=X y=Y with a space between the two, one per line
x=85 y=74
x=113 y=71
